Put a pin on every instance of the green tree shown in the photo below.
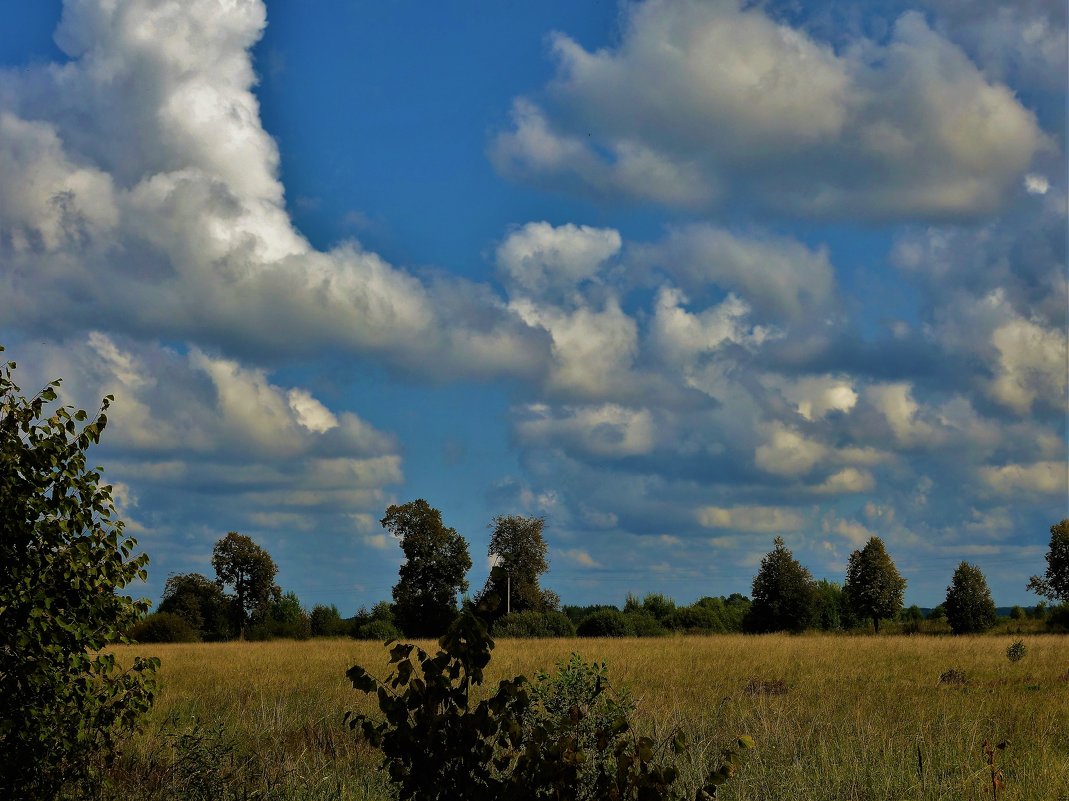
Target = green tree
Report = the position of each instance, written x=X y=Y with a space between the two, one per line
x=325 y=621
x=783 y=593
x=520 y=550
x=1054 y=584
x=286 y=617
x=436 y=561
x=242 y=564
x=969 y=607
x=200 y=602
x=873 y=588
x=828 y=606
x=65 y=560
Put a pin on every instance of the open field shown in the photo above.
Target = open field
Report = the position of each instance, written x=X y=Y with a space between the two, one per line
x=862 y=717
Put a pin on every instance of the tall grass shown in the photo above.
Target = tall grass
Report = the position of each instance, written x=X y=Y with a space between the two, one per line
x=861 y=718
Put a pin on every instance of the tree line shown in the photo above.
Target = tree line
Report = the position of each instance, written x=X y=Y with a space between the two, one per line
x=244 y=602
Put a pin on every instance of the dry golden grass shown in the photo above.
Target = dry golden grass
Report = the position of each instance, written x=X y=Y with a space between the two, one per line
x=862 y=717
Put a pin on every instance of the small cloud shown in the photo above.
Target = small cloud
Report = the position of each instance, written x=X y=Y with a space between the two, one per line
x=378 y=541
x=750 y=518
x=580 y=557
x=1039 y=477
x=597 y=518
x=364 y=522
x=855 y=533
x=1036 y=184
x=847 y=480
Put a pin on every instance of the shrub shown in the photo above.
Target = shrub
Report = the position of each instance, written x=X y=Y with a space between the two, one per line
x=1016 y=651
x=579 y=699
x=163 y=627
x=279 y=630
x=439 y=743
x=382 y=630
x=643 y=624
x=606 y=623
x=534 y=624
x=65 y=559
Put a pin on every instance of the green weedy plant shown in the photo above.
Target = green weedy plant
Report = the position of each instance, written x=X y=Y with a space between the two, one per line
x=63 y=557
x=578 y=699
x=439 y=743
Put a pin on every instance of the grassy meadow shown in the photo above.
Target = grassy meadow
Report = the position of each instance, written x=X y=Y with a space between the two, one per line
x=861 y=718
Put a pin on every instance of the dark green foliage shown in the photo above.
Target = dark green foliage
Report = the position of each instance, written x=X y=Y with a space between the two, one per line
x=911 y=618
x=64 y=702
x=1058 y=618
x=326 y=621
x=381 y=630
x=873 y=588
x=829 y=606
x=436 y=561
x=606 y=623
x=439 y=743
x=938 y=613
x=969 y=607
x=1017 y=613
x=163 y=627
x=520 y=550
x=246 y=567
x=1054 y=584
x=378 y=624
x=660 y=607
x=711 y=615
x=643 y=624
x=577 y=614
x=200 y=602
x=782 y=594
x=534 y=624
x=286 y=619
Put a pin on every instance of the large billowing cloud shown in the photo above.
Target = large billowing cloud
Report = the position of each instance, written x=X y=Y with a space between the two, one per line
x=707 y=101
x=142 y=163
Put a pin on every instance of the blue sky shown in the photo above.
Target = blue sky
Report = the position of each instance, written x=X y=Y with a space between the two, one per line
x=680 y=276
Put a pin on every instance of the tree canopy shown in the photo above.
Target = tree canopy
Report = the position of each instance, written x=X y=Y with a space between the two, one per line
x=65 y=562
x=969 y=607
x=873 y=586
x=242 y=564
x=436 y=563
x=200 y=602
x=782 y=593
x=1054 y=584
x=520 y=551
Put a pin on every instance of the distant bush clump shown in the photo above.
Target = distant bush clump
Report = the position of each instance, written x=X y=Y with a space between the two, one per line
x=534 y=624
x=377 y=630
x=606 y=623
x=163 y=627
x=643 y=624
x=326 y=621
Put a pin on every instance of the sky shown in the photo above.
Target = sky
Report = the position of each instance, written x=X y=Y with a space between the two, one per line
x=680 y=276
